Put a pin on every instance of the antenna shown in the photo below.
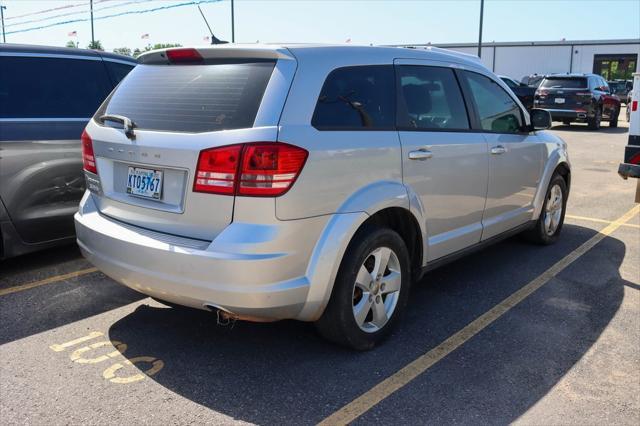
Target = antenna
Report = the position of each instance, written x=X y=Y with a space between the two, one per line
x=214 y=39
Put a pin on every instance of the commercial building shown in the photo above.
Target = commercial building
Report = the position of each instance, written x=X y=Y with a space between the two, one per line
x=612 y=59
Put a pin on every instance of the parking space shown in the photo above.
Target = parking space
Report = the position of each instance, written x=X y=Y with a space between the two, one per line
x=513 y=333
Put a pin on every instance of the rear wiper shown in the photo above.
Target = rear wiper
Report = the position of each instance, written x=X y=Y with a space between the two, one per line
x=127 y=124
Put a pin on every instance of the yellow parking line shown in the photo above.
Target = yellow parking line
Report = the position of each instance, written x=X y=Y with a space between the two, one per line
x=593 y=219
x=382 y=390
x=49 y=280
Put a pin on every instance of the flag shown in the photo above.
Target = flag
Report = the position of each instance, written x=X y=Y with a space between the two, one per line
x=206 y=38
x=73 y=34
x=144 y=36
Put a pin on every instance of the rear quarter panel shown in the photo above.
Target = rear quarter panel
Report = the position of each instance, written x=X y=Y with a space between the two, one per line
x=340 y=163
x=41 y=179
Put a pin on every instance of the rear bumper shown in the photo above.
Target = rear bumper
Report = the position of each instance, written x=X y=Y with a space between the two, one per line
x=567 y=114
x=629 y=170
x=269 y=282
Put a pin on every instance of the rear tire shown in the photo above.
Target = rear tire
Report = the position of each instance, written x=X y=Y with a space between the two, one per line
x=614 y=118
x=547 y=229
x=370 y=293
x=595 y=121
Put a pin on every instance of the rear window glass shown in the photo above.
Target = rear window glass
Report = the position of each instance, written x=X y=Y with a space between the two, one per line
x=191 y=98
x=357 y=98
x=564 y=83
x=51 y=87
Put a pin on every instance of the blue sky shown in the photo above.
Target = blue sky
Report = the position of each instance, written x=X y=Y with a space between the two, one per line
x=328 y=21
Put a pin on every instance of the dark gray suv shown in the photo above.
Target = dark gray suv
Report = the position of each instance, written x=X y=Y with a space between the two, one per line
x=47 y=95
x=581 y=98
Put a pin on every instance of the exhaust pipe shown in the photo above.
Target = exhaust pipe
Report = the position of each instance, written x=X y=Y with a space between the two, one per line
x=226 y=317
x=582 y=115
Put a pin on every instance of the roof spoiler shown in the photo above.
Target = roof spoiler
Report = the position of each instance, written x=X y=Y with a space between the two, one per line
x=224 y=51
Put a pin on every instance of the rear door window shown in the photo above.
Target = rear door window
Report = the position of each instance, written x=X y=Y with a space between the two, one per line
x=39 y=87
x=357 y=98
x=497 y=111
x=430 y=99
x=191 y=98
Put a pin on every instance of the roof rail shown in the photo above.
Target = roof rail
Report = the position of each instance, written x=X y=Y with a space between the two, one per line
x=445 y=51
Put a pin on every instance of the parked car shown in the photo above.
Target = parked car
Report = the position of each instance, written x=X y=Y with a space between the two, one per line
x=47 y=96
x=620 y=88
x=532 y=80
x=582 y=98
x=523 y=92
x=308 y=182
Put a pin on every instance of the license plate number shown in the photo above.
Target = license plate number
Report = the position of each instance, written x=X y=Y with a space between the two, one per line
x=559 y=100
x=144 y=183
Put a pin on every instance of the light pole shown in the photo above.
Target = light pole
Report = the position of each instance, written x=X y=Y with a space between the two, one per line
x=2 y=8
x=93 y=42
x=233 y=30
x=480 y=34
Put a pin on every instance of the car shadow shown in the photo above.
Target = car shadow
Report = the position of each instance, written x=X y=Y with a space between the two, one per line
x=45 y=307
x=581 y=127
x=285 y=373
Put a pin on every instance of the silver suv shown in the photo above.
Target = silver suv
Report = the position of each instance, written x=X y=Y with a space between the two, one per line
x=310 y=182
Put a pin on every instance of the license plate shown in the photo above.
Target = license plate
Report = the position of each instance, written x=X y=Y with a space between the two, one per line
x=559 y=100
x=144 y=183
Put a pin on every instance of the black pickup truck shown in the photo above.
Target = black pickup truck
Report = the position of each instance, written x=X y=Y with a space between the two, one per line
x=522 y=91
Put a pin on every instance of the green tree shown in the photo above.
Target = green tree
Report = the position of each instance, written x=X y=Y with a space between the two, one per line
x=137 y=52
x=161 y=46
x=71 y=43
x=122 y=51
x=95 y=45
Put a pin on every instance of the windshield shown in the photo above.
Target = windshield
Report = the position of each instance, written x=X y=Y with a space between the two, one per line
x=191 y=98
x=564 y=83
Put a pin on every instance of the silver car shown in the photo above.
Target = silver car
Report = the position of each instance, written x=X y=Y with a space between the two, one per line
x=314 y=183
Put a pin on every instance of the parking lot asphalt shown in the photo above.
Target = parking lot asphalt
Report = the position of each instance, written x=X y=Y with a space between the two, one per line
x=514 y=333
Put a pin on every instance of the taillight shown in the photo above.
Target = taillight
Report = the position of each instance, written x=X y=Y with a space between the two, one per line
x=634 y=106
x=266 y=169
x=541 y=93
x=269 y=169
x=217 y=170
x=184 y=56
x=88 y=159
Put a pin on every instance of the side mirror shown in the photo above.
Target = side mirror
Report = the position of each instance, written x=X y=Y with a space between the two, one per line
x=540 y=119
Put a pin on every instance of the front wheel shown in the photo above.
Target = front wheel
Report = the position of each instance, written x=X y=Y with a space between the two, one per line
x=547 y=229
x=370 y=291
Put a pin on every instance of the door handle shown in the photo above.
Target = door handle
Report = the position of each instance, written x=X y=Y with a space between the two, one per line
x=497 y=150
x=420 y=154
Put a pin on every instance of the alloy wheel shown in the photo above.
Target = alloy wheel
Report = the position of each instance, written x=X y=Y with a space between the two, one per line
x=553 y=210
x=376 y=289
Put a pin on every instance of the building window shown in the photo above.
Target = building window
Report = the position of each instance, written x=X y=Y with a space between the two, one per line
x=615 y=67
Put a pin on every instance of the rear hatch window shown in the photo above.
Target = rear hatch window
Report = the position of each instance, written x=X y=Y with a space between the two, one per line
x=564 y=83
x=190 y=98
